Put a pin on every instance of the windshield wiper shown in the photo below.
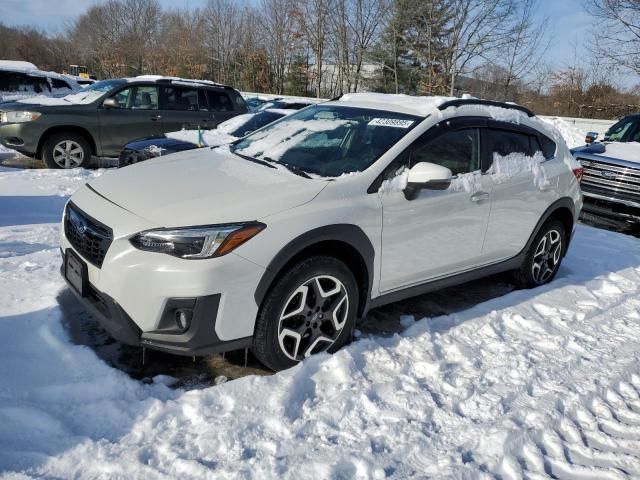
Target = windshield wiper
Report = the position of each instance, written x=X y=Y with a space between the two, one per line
x=290 y=166
x=254 y=160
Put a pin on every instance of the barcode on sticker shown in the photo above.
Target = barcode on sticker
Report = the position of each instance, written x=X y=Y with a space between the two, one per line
x=391 y=122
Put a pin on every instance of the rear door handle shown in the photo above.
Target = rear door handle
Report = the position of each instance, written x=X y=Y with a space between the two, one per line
x=155 y=118
x=479 y=196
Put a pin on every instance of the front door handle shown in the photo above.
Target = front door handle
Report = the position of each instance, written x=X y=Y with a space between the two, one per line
x=479 y=196
x=155 y=118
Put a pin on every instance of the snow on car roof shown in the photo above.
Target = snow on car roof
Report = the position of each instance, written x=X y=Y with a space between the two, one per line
x=174 y=80
x=17 y=65
x=413 y=105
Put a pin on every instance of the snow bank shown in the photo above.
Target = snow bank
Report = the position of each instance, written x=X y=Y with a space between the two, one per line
x=536 y=383
x=571 y=135
x=6 y=152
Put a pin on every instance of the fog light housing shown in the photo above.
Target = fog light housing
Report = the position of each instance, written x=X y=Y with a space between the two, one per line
x=183 y=317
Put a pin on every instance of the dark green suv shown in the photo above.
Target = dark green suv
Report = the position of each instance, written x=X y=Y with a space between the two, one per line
x=65 y=132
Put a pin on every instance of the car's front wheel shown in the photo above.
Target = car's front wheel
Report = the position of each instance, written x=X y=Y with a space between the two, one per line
x=544 y=257
x=66 y=150
x=310 y=309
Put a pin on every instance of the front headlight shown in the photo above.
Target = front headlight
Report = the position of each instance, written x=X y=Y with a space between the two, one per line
x=19 y=117
x=197 y=242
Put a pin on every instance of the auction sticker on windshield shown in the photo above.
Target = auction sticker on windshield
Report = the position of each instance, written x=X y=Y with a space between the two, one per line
x=391 y=122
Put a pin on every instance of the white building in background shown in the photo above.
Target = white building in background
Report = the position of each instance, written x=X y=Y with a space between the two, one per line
x=331 y=77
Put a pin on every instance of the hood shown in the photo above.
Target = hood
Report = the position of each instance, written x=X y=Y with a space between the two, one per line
x=168 y=145
x=595 y=147
x=204 y=187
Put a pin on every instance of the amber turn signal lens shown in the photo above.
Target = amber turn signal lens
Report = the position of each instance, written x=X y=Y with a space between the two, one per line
x=237 y=238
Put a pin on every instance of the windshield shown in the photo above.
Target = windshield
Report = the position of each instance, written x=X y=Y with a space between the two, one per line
x=256 y=121
x=623 y=130
x=328 y=140
x=94 y=91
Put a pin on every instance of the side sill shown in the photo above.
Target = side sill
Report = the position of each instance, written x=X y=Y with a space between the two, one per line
x=431 y=286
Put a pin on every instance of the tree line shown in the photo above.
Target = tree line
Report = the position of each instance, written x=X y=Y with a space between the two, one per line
x=495 y=49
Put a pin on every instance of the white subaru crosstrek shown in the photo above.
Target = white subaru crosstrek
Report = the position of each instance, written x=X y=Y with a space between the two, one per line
x=280 y=241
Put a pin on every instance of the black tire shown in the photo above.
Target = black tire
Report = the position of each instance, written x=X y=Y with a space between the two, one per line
x=266 y=340
x=79 y=154
x=529 y=276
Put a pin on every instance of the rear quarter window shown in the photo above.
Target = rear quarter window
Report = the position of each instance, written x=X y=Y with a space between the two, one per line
x=548 y=147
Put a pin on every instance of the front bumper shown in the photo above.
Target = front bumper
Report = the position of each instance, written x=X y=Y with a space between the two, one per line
x=610 y=212
x=131 y=291
x=199 y=339
x=22 y=137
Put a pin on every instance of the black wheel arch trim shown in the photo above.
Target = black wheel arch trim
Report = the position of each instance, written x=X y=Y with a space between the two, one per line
x=349 y=234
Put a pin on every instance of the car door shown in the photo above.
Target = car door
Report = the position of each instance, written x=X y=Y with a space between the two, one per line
x=185 y=107
x=523 y=187
x=439 y=232
x=136 y=116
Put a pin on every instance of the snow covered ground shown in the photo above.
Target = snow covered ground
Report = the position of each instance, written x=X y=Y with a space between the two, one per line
x=531 y=384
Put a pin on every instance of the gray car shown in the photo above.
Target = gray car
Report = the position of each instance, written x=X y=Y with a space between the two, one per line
x=102 y=118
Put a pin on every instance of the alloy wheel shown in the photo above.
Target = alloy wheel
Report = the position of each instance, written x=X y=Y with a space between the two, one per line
x=68 y=154
x=313 y=317
x=546 y=257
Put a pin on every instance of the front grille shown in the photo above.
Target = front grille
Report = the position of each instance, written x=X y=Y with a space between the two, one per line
x=90 y=238
x=611 y=178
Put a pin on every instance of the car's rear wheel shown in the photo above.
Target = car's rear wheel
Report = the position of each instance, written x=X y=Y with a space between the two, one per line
x=310 y=309
x=544 y=257
x=66 y=150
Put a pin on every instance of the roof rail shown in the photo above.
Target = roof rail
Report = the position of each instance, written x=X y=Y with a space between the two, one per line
x=459 y=102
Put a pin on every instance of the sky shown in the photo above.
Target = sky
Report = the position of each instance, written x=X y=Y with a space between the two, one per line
x=569 y=21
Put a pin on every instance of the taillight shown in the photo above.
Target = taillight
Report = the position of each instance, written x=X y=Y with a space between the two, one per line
x=578 y=172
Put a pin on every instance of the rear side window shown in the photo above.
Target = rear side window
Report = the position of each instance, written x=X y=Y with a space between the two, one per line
x=21 y=82
x=58 y=84
x=504 y=142
x=548 y=147
x=180 y=98
x=219 y=102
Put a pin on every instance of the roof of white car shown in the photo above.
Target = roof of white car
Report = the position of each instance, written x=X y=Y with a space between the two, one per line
x=409 y=104
x=17 y=65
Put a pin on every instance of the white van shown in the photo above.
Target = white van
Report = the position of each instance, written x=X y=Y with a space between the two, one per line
x=23 y=79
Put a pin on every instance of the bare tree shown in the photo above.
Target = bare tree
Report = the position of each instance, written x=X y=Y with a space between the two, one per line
x=478 y=29
x=313 y=17
x=278 y=29
x=525 y=45
x=617 y=32
x=365 y=22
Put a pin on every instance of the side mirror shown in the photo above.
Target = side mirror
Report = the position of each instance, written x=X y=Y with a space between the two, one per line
x=110 y=103
x=591 y=137
x=428 y=176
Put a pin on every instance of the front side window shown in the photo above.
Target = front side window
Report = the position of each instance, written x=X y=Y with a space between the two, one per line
x=458 y=150
x=145 y=98
x=328 y=140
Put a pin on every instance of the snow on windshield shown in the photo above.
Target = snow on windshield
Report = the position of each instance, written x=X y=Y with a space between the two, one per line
x=328 y=140
x=276 y=141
